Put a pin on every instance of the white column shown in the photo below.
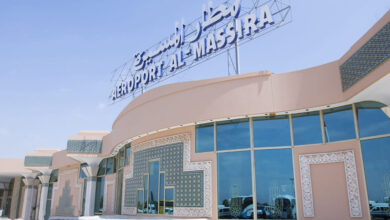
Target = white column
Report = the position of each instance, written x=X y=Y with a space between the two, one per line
x=91 y=172
x=28 y=197
x=43 y=201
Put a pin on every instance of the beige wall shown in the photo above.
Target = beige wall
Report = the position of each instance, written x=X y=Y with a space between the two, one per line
x=109 y=194
x=329 y=182
x=67 y=192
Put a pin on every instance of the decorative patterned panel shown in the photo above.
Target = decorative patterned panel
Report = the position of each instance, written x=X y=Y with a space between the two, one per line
x=373 y=53
x=188 y=185
x=191 y=180
x=84 y=146
x=37 y=161
x=348 y=157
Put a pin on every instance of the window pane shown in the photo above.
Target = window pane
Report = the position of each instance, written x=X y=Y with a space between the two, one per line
x=153 y=186
x=205 y=138
x=127 y=158
x=233 y=134
x=270 y=132
x=110 y=165
x=339 y=124
x=161 y=200
x=121 y=158
x=82 y=174
x=275 y=184
x=234 y=185
x=54 y=176
x=146 y=190
x=372 y=119
x=169 y=201
x=307 y=128
x=102 y=167
x=377 y=171
x=99 y=195
x=140 y=202
x=84 y=195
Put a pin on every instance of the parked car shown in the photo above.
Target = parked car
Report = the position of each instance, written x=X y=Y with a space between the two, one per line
x=380 y=211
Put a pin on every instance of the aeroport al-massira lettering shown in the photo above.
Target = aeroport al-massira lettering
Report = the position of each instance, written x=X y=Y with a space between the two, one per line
x=217 y=30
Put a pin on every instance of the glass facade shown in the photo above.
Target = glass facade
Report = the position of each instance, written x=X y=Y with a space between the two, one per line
x=372 y=119
x=339 y=124
x=307 y=128
x=99 y=195
x=271 y=131
x=275 y=184
x=233 y=134
x=235 y=185
x=205 y=138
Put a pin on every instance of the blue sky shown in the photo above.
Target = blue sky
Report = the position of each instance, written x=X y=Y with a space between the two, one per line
x=56 y=56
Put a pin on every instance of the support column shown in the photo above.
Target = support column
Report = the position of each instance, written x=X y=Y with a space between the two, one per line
x=91 y=173
x=28 y=201
x=45 y=178
x=5 y=196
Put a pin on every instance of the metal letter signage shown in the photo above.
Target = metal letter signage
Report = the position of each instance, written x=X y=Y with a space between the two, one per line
x=215 y=32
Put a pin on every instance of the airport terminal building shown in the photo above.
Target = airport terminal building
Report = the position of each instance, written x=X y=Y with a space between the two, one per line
x=309 y=144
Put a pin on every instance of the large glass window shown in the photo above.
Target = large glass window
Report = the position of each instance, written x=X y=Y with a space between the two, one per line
x=153 y=186
x=307 y=128
x=275 y=184
x=376 y=154
x=110 y=165
x=233 y=134
x=271 y=132
x=339 y=124
x=169 y=201
x=162 y=196
x=205 y=138
x=102 y=167
x=372 y=119
x=127 y=158
x=99 y=195
x=235 y=185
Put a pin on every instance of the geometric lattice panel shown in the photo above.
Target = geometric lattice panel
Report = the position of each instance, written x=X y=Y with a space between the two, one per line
x=188 y=184
x=84 y=146
x=373 y=53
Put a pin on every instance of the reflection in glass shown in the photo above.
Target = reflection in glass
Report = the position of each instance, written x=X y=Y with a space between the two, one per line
x=372 y=119
x=169 y=201
x=102 y=167
x=205 y=138
x=307 y=128
x=376 y=154
x=339 y=124
x=275 y=184
x=127 y=158
x=161 y=198
x=271 y=132
x=153 y=186
x=110 y=165
x=99 y=195
x=82 y=174
x=235 y=185
x=146 y=190
x=121 y=158
x=84 y=195
x=233 y=134
x=140 y=201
